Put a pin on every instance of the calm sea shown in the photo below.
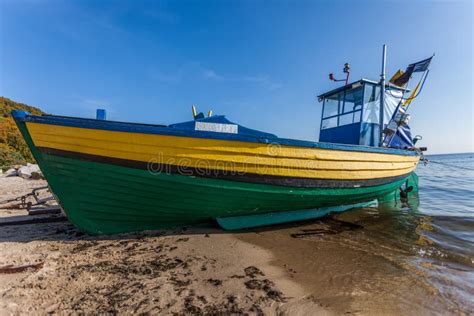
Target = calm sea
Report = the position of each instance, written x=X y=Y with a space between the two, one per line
x=446 y=194
x=435 y=228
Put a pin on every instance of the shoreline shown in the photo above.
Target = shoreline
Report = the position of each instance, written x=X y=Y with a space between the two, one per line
x=345 y=278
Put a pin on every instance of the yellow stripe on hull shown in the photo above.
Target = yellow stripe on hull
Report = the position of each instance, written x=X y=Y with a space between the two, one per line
x=235 y=156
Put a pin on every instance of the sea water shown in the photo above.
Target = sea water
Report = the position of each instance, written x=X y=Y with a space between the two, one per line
x=434 y=228
x=446 y=195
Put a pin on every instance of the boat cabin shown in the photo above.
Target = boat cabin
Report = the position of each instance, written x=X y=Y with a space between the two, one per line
x=351 y=113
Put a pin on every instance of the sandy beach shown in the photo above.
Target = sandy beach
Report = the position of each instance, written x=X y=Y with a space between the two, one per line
x=329 y=266
x=200 y=271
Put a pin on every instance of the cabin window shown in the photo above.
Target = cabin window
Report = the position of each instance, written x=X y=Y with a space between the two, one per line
x=329 y=123
x=370 y=127
x=331 y=106
x=343 y=108
x=371 y=104
x=349 y=118
x=353 y=100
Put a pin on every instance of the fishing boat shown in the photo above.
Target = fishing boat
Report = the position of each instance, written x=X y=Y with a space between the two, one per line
x=113 y=177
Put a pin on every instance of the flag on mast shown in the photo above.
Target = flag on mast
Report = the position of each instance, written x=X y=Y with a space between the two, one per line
x=415 y=67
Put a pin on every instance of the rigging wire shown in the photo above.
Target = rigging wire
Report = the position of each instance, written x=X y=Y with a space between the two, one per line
x=450 y=165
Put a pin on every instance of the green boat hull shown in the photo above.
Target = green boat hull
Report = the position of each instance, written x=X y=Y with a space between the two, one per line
x=102 y=198
x=106 y=199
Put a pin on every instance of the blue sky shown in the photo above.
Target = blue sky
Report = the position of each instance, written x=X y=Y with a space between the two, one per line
x=262 y=63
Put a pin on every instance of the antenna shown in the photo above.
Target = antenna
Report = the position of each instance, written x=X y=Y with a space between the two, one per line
x=382 y=92
x=346 y=70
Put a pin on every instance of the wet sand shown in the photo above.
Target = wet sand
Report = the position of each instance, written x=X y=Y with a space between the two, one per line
x=346 y=279
x=330 y=266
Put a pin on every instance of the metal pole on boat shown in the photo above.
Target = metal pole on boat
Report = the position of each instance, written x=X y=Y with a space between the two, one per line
x=382 y=92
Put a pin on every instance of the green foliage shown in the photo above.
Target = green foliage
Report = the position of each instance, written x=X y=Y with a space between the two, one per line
x=13 y=149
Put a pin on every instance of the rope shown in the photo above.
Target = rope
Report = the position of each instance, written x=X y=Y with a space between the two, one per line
x=450 y=165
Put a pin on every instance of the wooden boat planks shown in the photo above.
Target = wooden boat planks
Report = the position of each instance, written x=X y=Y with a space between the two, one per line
x=53 y=209
x=34 y=221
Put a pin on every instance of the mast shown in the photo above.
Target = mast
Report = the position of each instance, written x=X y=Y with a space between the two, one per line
x=382 y=93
